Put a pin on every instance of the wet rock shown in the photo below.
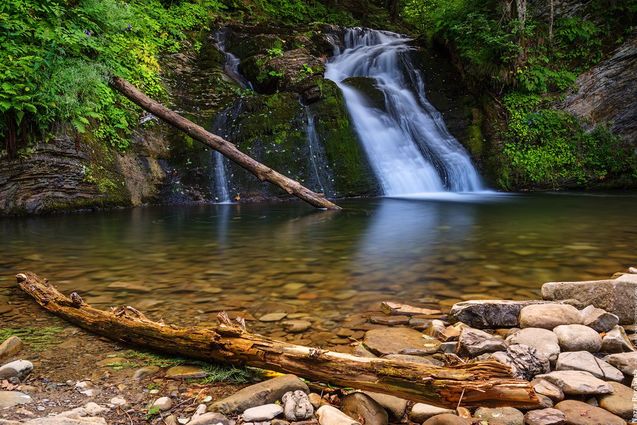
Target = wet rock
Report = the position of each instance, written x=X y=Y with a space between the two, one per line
x=580 y=413
x=500 y=415
x=262 y=413
x=583 y=360
x=617 y=296
x=616 y=341
x=210 y=418
x=145 y=372
x=185 y=372
x=543 y=340
x=396 y=406
x=525 y=362
x=272 y=317
x=266 y=392
x=447 y=419
x=489 y=314
x=316 y=400
x=297 y=406
x=575 y=382
x=420 y=412
x=10 y=347
x=19 y=369
x=545 y=417
x=548 y=316
x=328 y=415
x=578 y=338
x=13 y=398
x=296 y=326
x=394 y=340
x=620 y=402
x=364 y=408
x=598 y=319
x=545 y=388
x=389 y=320
x=163 y=403
x=473 y=342
x=626 y=362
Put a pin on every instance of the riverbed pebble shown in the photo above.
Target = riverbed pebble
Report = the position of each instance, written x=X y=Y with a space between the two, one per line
x=548 y=316
x=394 y=340
x=578 y=338
x=620 y=402
x=266 y=412
x=474 y=342
x=10 y=347
x=548 y=416
x=420 y=412
x=396 y=406
x=329 y=415
x=575 y=382
x=13 y=398
x=598 y=319
x=543 y=340
x=19 y=369
x=447 y=419
x=626 y=362
x=297 y=406
x=616 y=341
x=583 y=360
x=163 y=403
x=580 y=413
x=365 y=409
x=500 y=415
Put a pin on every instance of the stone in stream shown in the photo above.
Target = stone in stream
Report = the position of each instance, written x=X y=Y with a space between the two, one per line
x=272 y=317
x=626 y=362
x=500 y=415
x=620 y=402
x=580 y=413
x=578 y=338
x=266 y=392
x=396 y=406
x=13 y=398
x=328 y=415
x=545 y=417
x=163 y=403
x=210 y=418
x=489 y=314
x=447 y=419
x=263 y=413
x=617 y=296
x=575 y=382
x=543 y=340
x=385 y=341
x=616 y=341
x=583 y=360
x=548 y=316
x=10 y=347
x=185 y=372
x=598 y=319
x=525 y=362
x=364 y=408
x=397 y=309
x=17 y=369
x=420 y=412
x=389 y=320
x=544 y=387
x=145 y=372
x=473 y=342
x=297 y=406
x=296 y=326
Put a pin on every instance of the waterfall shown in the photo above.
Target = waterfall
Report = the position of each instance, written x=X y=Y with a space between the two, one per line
x=407 y=143
x=320 y=175
x=231 y=62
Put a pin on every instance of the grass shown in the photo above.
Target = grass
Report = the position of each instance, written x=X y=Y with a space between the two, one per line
x=36 y=338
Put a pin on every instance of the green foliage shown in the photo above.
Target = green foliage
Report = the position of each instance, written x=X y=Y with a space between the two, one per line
x=56 y=57
x=302 y=11
x=549 y=148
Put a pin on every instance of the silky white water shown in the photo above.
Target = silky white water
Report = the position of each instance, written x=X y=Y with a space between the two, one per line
x=409 y=148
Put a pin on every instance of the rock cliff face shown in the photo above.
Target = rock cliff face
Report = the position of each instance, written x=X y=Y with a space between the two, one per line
x=607 y=94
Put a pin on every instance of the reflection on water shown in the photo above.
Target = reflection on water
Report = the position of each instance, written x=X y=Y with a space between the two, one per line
x=187 y=263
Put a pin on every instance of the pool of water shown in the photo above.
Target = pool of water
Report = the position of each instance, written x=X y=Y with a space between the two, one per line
x=186 y=263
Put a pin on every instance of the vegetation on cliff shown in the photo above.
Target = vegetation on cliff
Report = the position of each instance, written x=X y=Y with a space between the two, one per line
x=527 y=57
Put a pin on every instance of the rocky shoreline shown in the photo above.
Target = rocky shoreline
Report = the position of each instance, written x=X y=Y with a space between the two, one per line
x=576 y=347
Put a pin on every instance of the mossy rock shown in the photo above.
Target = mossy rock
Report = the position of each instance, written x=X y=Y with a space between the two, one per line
x=369 y=90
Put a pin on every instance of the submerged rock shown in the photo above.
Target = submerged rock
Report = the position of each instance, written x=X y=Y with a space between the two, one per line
x=578 y=338
x=573 y=382
x=395 y=340
x=548 y=316
x=583 y=360
x=266 y=392
x=500 y=415
x=617 y=296
x=580 y=413
x=365 y=408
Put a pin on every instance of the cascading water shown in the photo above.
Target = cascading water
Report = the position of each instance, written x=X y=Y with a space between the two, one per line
x=322 y=179
x=407 y=143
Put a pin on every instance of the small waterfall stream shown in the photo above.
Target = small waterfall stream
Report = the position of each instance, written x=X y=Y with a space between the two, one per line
x=322 y=176
x=407 y=143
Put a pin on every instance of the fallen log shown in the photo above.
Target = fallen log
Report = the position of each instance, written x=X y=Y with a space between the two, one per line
x=263 y=172
x=486 y=383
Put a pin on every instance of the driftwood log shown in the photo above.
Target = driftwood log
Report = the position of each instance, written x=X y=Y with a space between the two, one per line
x=486 y=383
x=263 y=172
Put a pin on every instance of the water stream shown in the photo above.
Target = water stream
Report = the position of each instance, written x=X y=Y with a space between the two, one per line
x=320 y=174
x=407 y=143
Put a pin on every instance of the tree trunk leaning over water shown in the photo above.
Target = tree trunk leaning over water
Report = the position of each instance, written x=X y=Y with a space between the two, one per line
x=486 y=383
x=221 y=145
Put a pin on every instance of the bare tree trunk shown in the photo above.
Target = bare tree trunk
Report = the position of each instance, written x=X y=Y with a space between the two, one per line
x=486 y=383
x=217 y=143
x=551 y=18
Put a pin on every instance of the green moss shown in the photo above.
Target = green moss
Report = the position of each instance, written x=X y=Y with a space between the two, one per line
x=475 y=138
x=37 y=339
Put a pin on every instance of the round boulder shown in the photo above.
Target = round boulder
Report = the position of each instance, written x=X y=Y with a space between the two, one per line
x=500 y=416
x=620 y=402
x=578 y=338
x=548 y=316
x=580 y=413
